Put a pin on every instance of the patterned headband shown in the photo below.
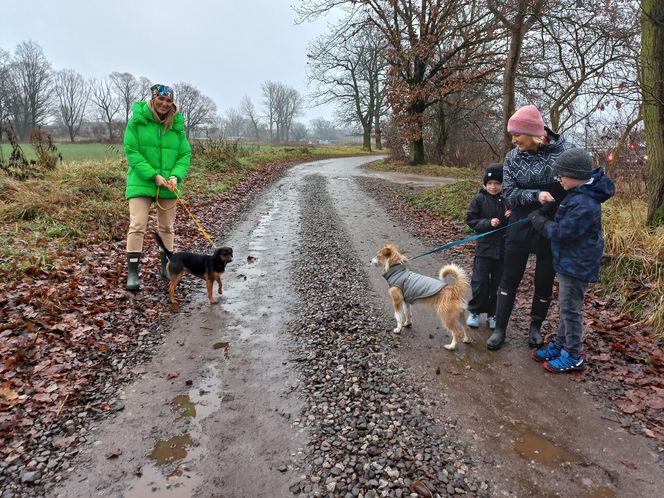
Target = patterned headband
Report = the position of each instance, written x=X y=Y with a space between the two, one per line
x=161 y=90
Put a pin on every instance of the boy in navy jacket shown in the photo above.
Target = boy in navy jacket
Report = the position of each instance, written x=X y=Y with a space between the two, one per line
x=577 y=245
x=487 y=212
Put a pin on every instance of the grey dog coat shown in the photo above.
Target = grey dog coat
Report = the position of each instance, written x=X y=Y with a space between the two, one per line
x=413 y=285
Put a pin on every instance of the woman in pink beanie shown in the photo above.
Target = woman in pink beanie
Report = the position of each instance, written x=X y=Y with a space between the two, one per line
x=528 y=184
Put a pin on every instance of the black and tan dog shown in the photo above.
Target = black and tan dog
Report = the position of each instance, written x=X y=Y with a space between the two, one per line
x=210 y=268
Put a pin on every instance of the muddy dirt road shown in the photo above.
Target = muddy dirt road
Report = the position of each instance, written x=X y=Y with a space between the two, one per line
x=239 y=402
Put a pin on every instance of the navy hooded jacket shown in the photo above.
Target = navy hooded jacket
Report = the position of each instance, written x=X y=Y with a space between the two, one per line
x=576 y=236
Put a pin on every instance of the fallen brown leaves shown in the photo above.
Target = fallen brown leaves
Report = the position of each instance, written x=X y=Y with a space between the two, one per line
x=68 y=331
x=626 y=365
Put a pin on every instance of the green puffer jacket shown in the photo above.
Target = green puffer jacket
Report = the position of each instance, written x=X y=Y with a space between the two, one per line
x=151 y=152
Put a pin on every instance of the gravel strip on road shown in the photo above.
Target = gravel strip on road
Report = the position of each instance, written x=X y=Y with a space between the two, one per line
x=372 y=434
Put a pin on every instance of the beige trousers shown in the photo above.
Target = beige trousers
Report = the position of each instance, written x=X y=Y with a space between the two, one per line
x=139 y=210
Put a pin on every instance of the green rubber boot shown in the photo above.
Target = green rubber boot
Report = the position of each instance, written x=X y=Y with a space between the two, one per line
x=133 y=265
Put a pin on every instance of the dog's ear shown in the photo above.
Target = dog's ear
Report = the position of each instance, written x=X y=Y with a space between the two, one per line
x=386 y=252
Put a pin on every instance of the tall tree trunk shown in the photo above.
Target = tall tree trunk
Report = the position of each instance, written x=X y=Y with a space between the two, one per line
x=379 y=134
x=417 y=152
x=366 y=139
x=442 y=134
x=652 y=84
x=509 y=81
x=417 y=143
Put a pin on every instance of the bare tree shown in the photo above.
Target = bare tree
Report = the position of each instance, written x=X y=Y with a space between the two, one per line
x=517 y=18
x=282 y=104
x=234 y=123
x=434 y=48
x=346 y=69
x=249 y=111
x=324 y=130
x=31 y=74
x=270 y=104
x=127 y=90
x=586 y=46
x=73 y=94
x=299 y=131
x=5 y=90
x=144 y=88
x=107 y=105
x=197 y=109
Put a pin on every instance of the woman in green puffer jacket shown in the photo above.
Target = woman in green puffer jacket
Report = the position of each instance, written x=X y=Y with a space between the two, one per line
x=158 y=155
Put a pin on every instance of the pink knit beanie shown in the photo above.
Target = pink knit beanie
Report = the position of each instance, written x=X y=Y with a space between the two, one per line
x=527 y=121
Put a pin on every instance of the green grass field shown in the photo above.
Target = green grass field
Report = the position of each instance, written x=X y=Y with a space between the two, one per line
x=74 y=151
x=100 y=152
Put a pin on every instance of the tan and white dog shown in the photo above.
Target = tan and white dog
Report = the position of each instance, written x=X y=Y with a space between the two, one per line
x=448 y=300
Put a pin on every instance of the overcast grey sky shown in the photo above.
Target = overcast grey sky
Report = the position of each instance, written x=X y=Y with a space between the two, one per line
x=226 y=48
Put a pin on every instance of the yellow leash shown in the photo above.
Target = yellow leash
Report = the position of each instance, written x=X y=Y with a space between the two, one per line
x=191 y=215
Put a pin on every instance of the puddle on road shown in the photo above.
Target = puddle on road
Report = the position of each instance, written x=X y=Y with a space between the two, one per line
x=222 y=345
x=167 y=451
x=184 y=406
x=160 y=479
x=539 y=449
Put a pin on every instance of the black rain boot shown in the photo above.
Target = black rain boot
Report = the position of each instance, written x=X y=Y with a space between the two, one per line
x=164 y=271
x=538 y=313
x=133 y=265
x=504 y=305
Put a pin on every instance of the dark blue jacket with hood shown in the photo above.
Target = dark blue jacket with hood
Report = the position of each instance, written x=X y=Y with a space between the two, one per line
x=576 y=236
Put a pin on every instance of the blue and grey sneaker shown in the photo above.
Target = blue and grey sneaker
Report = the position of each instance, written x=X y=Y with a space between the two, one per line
x=491 y=320
x=473 y=320
x=565 y=363
x=550 y=352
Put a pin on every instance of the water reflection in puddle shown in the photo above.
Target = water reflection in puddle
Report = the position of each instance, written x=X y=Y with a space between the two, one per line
x=539 y=449
x=222 y=345
x=184 y=406
x=172 y=472
x=171 y=449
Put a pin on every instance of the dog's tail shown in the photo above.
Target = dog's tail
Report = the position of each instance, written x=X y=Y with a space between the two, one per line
x=163 y=247
x=460 y=284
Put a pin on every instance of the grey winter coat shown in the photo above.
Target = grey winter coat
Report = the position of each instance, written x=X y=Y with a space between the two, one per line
x=525 y=175
x=413 y=285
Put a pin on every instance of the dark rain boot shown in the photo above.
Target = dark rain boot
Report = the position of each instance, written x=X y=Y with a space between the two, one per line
x=164 y=271
x=504 y=305
x=537 y=316
x=133 y=265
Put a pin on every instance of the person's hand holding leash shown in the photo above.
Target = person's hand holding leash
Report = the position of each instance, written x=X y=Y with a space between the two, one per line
x=495 y=222
x=159 y=180
x=545 y=197
x=538 y=220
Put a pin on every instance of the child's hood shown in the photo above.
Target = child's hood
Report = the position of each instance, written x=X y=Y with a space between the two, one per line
x=601 y=188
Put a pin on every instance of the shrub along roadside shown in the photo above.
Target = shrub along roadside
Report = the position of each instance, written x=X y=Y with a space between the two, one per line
x=83 y=202
x=633 y=266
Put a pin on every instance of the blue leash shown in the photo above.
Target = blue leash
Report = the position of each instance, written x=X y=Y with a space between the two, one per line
x=469 y=239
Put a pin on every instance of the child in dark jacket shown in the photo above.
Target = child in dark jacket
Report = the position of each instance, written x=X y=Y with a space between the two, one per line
x=577 y=245
x=487 y=212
